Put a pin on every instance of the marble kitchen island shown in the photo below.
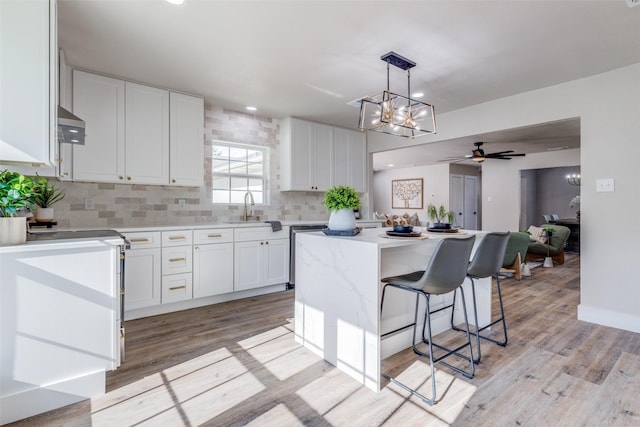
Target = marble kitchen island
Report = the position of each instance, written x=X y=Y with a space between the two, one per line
x=338 y=292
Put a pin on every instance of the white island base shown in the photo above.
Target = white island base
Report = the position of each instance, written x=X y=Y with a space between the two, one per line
x=338 y=293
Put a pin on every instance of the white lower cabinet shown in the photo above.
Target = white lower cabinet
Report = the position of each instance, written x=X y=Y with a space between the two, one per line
x=142 y=270
x=260 y=262
x=212 y=269
x=179 y=265
x=176 y=287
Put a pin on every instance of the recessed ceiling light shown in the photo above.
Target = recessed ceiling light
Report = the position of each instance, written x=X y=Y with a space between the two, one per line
x=251 y=108
x=175 y=1
x=390 y=165
x=418 y=95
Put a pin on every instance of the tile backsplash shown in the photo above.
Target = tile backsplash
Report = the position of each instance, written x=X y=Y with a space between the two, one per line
x=121 y=205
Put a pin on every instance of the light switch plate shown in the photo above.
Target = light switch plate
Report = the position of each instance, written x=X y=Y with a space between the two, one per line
x=604 y=184
x=89 y=204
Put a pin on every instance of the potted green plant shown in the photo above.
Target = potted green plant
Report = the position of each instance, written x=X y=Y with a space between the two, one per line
x=16 y=192
x=440 y=217
x=341 y=200
x=45 y=196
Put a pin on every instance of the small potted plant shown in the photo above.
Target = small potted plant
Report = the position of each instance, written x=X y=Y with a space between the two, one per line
x=341 y=200
x=45 y=196
x=440 y=217
x=16 y=192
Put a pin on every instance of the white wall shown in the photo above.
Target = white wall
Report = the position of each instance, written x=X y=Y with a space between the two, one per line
x=435 y=188
x=608 y=106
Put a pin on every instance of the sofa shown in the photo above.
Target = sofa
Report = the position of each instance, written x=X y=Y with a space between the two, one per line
x=555 y=248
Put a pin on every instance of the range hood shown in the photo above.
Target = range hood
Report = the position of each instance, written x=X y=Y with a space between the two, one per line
x=70 y=127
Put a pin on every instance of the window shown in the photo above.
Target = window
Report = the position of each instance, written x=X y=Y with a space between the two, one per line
x=236 y=169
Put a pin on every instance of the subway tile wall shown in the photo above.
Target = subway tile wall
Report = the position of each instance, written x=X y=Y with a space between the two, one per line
x=120 y=205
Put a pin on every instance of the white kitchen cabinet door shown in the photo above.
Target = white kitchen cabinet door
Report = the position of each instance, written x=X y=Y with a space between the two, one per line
x=186 y=142
x=350 y=159
x=261 y=263
x=276 y=262
x=177 y=259
x=142 y=278
x=212 y=269
x=146 y=134
x=248 y=270
x=27 y=80
x=100 y=102
x=306 y=156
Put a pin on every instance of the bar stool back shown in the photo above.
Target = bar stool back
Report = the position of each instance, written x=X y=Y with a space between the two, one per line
x=487 y=262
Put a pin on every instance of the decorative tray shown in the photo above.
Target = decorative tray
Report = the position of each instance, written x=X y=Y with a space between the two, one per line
x=398 y=234
x=442 y=230
x=330 y=232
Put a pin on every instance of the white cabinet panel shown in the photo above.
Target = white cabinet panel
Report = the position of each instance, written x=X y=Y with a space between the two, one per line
x=306 y=155
x=100 y=102
x=176 y=287
x=350 y=159
x=177 y=238
x=261 y=263
x=142 y=278
x=212 y=269
x=176 y=259
x=186 y=143
x=146 y=134
x=27 y=81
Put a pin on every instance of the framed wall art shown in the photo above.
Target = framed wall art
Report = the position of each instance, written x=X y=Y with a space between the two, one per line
x=406 y=193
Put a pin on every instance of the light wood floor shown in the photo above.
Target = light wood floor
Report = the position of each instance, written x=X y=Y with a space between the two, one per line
x=237 y=364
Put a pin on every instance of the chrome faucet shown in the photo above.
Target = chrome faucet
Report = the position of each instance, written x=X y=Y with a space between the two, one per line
x=245 y=214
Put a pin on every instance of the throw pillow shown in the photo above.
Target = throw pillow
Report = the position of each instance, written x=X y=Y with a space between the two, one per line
x=536 y=234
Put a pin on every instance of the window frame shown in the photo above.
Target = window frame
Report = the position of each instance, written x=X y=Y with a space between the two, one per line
x=230 y=175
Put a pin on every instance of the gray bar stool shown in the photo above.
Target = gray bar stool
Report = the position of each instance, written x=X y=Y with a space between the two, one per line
x=487 y=262
x=446 y=271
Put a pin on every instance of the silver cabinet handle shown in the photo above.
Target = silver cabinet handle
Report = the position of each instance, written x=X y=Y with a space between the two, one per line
x=177 y=259
x=214 y=235
x=175 y=288
x=141 y=240
x=177 y=238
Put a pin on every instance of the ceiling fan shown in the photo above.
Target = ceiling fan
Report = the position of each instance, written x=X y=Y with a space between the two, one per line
x=478 y=155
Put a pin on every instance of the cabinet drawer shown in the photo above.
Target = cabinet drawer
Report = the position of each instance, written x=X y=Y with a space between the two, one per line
x=177 y=259
x=177 y=287
x=144 y=240
x=177 y=238
x=259 y=233
x=212 y=235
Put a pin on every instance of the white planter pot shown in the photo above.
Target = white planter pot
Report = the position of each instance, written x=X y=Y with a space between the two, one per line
x=44 y=214
x=13 y=231
x=344 y=219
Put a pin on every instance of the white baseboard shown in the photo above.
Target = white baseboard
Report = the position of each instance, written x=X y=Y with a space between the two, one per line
x=26 y=403
x=614 y=319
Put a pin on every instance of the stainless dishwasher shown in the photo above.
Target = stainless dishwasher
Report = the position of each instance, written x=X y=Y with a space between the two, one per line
x=293 y=230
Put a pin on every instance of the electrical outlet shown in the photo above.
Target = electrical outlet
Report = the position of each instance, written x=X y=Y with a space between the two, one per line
x=182 y=203
x=88 y=204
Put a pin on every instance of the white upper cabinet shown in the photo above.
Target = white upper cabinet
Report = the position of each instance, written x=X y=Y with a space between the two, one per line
x=315 y=157
x=350 y=159
x=306 y=155
x=186 y=142
x=137 y=134
x=27 y=81
x=100 y=102
x=146 y=134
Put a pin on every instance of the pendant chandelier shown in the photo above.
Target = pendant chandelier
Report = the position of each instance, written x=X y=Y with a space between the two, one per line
x=573 y=179
x=395 y=114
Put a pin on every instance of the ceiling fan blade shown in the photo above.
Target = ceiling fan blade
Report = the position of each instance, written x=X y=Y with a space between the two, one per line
x=500 y=153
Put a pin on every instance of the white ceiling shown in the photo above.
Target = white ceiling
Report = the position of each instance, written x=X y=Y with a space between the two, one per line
x=308 y=59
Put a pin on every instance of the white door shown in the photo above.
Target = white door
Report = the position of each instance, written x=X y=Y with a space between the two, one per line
x=212 y=269
x=456 y=198
x=100 y=102
x=142 y=278
x=186 y=142
x=276 y=261
x=248 y=265
x=147 y=134
x=470 y=210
